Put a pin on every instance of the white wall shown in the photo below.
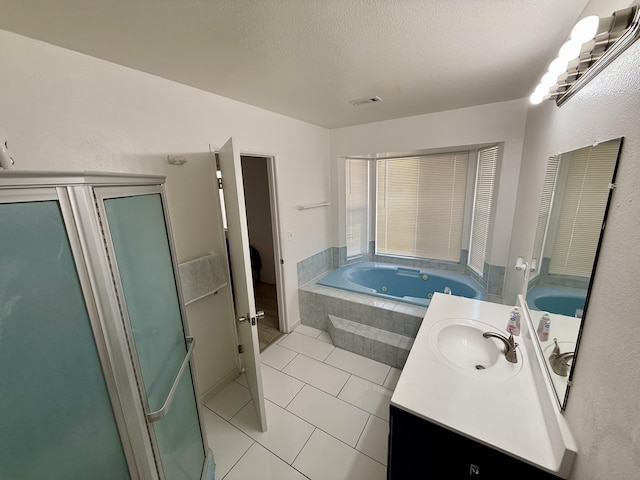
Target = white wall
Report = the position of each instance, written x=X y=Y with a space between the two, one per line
x=604 y=402
x=497 y=122
x=66 y=111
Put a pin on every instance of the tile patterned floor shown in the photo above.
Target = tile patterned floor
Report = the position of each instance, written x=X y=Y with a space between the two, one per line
x=327 y=414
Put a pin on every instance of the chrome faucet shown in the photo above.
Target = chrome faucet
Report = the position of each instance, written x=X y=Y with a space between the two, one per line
x=560 y=361
x=509 y=343
x=447 y=291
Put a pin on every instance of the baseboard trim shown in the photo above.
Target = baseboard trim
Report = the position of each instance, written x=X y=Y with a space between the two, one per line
x=219 y=385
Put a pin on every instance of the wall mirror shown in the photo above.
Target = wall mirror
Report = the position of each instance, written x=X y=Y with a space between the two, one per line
x=575 y=199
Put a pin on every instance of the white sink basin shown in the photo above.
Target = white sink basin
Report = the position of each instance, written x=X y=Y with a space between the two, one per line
x=459 y=343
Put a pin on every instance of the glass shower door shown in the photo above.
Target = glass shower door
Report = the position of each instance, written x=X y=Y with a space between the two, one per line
x=56 y=418
x=143 y=262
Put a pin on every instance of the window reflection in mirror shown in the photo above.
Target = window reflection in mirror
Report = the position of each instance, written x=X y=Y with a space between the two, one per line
x=573 y=207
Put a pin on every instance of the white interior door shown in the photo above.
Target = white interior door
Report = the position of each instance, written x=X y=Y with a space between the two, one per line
x=245 y=305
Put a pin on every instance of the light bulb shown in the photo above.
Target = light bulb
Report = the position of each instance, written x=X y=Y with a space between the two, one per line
x=536 y=98
x=570 y=50
x=541 y=90
x=585 y=29
x=549 y=79
x=558 y=66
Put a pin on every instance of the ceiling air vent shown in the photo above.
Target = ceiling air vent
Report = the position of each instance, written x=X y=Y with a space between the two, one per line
x=363 y=101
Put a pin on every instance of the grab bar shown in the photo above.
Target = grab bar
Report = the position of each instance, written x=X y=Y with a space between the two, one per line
x=159 y=414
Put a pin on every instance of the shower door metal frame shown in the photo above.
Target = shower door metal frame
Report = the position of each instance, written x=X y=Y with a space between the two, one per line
x=101 y=193
x=24 y=189
x=93 y=242
x=92 y=253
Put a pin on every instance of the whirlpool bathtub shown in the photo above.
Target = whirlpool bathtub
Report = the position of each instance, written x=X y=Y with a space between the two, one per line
x=560 y=300
x=398 y=283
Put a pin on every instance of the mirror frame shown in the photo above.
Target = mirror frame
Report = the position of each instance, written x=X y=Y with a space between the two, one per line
x=612 y=185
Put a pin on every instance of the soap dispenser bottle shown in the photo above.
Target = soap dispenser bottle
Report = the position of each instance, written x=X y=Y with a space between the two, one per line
x=544 y=325
x=513 y=326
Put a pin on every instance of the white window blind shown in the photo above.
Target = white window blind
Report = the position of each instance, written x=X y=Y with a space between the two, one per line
x=485 y=180
x=545 y=208
x=420 y=206
x=585 y=198
x=357 y=206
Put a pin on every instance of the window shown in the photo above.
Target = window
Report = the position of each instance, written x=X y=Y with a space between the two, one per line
x=583 y=204
x=485 y=179
x=420 y=206
x=543 y=214
x=357 y=207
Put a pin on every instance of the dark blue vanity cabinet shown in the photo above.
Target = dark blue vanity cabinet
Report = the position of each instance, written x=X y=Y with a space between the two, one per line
x=419 y=449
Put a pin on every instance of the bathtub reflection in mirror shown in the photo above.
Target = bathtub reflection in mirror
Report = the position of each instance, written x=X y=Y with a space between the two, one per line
x=573 y=207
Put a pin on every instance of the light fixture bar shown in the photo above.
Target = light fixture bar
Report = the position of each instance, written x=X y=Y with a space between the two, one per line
x=593 y=44
x=609 y=55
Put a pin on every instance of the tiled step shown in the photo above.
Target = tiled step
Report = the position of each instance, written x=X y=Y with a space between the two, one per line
x=380 y=345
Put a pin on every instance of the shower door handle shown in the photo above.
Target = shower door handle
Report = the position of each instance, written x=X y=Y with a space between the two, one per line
x=159 y=414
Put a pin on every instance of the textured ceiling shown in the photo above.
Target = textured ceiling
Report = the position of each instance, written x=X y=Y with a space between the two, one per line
x=308 y=58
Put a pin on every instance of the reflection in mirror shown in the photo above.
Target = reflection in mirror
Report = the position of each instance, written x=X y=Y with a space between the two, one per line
x=573 y=207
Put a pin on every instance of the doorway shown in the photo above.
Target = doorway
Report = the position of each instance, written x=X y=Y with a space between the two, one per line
x=261 y=207
x=258 y=202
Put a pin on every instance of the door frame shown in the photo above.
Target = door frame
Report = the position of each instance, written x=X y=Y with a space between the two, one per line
x=276 y=230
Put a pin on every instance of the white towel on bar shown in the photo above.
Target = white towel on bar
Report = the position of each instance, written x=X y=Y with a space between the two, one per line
x=202 y=276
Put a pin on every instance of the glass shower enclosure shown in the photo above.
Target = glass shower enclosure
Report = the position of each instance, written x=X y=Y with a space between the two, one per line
x=96 y=377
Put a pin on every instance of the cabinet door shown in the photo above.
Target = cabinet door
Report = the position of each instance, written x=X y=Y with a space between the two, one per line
x=56 y=418
x=138 y=238
x=421 y=449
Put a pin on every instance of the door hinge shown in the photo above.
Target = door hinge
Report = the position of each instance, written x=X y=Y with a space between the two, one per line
x=219 y=184
x=239 y=348
x=282 y=261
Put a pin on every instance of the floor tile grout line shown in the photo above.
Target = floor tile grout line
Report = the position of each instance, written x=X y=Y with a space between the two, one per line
x=274 y=453
x=231 y=424
x=301 y=353
x=342 y=400
x=351 y=373
x=337 y=396
x=315 y=427
x=345 y=443
x=363 y=429
x=385 y=378
x=289 y=362
x=241 y=408
x=360 y=437
x=305 y=444
x=294 y=397
x=327 y=364
x=308 y=423
x=345 y=383
x=240 y=458
x=316 y=337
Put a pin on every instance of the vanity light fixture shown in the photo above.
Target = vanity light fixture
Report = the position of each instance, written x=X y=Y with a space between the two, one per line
x=593 y=44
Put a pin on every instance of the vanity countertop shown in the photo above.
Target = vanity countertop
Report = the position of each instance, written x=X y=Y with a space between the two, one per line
x=511 y=415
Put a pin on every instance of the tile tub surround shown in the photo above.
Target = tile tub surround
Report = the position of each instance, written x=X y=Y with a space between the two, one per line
x=361 y=323
x=315 y=265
